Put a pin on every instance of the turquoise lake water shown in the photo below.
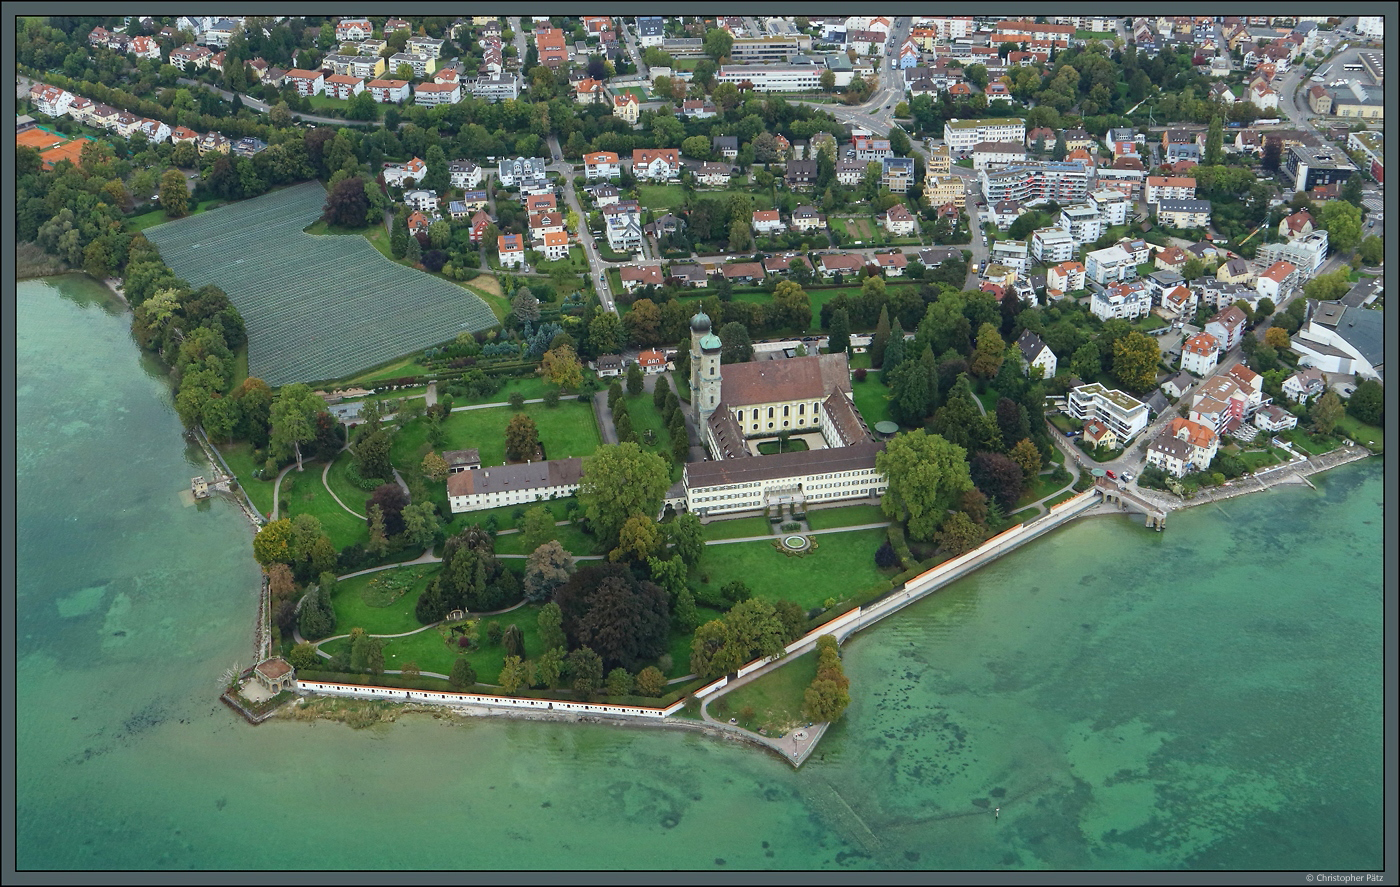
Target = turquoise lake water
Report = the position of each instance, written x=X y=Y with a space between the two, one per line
x=1207 y=697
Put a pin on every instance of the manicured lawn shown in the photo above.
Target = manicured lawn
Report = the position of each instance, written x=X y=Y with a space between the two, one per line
x=1257 y=459
x=988 y=399
x=530 y=387
x=1366 y=435
x=239 y=457
x=872 y=398
x=158 y=217
x=506 y=515
x=661 y=197
x=431 y=653
x=737 y=528
x=500 y=306
x=406 y=366
x=1304 y=441
x=776 y=698
x=1150 y=322
x=338 y=481
x=639 y=91
x=770 y=447
x=1066 y=495
x=355 y=599
x=845 y=563
x=1042 y=487
x=846 y=516
x=576 y=262
x=1065 y=423
x=646 y=417
x=566 y=430
x=303 y=493
x=574 y=540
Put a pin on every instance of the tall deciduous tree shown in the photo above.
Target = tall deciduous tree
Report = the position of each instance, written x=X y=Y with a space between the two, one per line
x=522 y=438
x=618 y=482
x=293 y=418
x=625 y=621
x=560 y=366
x=586 y=667
x=1324 y=412
x=1135 y=359
x=926 y=474
x=989 y=353
x=735 y=344
x=548 y=567
x=347 y=204
x=174 y=194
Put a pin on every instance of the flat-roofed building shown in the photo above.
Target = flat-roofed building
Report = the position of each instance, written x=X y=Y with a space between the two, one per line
x=1123 y=413
x=962 y=135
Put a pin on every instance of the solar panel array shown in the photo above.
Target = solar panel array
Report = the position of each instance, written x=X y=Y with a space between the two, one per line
x=316 y=307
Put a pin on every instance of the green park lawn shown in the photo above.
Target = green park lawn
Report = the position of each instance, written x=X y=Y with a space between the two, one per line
x=1042 y=487
x=845 y=516
x=737 y=528
x=1304 y=441
x=776 y=698
x=370 y=601
x=432 y=653
x=569 y=429
x=239 y=457
x=577 y=262
x=158 y=217
x=530 y=388
x=772 y=447
x=1367 y=435
x=340 y=483
x=406 y=366
x=1062 y=497
x=507 y=516
x=646 y=417
x=574 y=540
x=661 y=197
x=843 y=564
x=303 y=493
x=872 y=398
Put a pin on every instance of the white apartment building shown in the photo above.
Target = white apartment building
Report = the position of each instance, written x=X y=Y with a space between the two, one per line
x=1307 y=253
x=962 y=135
x=1011 y=253
x=1199 y=354
x=1110 y=265
x=1126 y=415
x=1052 y=245
x=1083 y=223
x=1156 y=188
x=1111 y=204
x=1128 y=301
x=774 y=78
x=1034 y=181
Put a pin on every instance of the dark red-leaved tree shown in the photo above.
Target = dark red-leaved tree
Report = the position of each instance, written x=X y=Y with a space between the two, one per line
x=391 y=499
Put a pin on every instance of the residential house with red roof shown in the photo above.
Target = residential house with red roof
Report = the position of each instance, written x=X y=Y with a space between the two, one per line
x=511 y=249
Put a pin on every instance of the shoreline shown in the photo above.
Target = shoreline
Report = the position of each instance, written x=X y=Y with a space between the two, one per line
x=1292 y=474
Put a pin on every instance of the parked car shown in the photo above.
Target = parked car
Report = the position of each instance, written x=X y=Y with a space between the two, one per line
x=1111 y=474
x=1127 y=476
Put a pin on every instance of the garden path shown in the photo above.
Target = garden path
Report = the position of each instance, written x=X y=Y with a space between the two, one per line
x=325 y=472
x=874 y=526
x=277 y=488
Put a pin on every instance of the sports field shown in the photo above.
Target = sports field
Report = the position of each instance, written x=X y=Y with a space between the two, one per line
x=316 y=307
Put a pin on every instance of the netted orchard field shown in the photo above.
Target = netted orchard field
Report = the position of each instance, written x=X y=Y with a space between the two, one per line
x=316 y=307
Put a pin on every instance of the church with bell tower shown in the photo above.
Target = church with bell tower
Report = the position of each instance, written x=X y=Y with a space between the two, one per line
x=704 y=368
